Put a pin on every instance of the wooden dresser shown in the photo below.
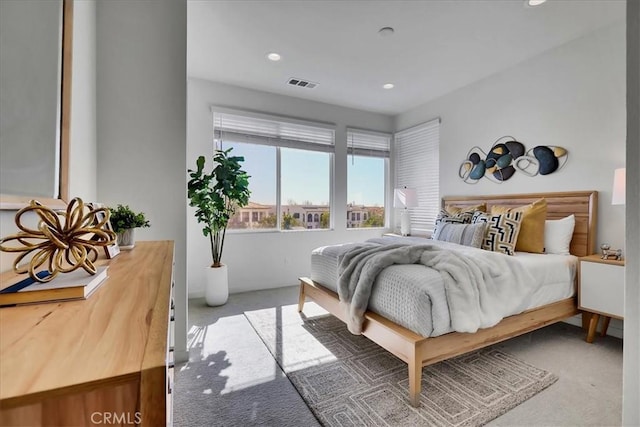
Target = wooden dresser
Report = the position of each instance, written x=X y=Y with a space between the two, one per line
x=107 y=360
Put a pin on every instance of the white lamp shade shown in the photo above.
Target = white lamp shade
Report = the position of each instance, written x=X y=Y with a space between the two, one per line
x=619 y=187
x=405 y=198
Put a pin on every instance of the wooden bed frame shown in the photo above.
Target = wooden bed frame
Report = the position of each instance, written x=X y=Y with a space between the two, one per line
x=418 y=351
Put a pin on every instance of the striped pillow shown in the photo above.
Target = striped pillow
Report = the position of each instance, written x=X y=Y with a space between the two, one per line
x=462 y=234
x=445 y=217
x=502 y=231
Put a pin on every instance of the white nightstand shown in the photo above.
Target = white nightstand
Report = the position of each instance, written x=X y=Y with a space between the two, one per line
x=600 y=291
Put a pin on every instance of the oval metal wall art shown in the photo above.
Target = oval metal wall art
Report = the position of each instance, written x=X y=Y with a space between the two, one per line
x=507 y=157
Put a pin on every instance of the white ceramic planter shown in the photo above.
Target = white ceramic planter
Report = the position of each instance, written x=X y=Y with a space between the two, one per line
x=127 y=238
x=217 y=286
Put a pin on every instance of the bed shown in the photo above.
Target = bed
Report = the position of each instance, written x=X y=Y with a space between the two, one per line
x=419 y=348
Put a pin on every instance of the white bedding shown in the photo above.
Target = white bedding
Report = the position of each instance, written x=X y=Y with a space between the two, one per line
x=555 y=275
x=412 y=296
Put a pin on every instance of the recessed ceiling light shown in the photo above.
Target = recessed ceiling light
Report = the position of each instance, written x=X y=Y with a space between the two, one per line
x=388 y=86
x=274 y=56
x=533 y=3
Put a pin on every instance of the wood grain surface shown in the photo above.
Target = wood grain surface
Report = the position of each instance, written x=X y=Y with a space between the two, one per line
x=60 y=350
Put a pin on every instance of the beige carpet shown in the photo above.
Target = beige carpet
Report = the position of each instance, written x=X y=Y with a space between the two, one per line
x=349 y=381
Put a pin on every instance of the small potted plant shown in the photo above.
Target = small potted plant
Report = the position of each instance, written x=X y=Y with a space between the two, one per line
x=216 y=196
x=124 y=222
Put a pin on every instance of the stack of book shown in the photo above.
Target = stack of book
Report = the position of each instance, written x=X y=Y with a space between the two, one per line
x=77 y=284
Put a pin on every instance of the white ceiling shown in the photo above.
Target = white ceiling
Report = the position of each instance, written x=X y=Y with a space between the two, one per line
x=438 y=45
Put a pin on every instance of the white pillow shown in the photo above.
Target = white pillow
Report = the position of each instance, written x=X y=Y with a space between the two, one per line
x=557 y=235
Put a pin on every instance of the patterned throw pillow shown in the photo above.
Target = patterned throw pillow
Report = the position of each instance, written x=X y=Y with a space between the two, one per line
x=502 y=231
x=462 y=234
x=531 y=237
x=445 y=217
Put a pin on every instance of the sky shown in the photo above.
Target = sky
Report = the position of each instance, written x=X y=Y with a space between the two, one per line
x=306 y=176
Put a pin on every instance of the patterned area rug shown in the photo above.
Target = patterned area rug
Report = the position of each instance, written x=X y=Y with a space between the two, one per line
x=348 y=380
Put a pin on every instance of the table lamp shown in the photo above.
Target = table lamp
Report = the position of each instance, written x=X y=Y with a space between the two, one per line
x=405 y=198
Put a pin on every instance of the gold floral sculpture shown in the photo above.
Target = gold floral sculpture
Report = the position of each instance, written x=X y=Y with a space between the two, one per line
x=67 y=239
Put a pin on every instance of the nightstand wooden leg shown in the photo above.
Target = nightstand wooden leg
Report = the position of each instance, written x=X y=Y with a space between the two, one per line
x=593 y=325
x=586 y=317
x=605 y=325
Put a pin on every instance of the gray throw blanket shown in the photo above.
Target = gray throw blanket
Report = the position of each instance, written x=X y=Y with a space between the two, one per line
x=482 y=287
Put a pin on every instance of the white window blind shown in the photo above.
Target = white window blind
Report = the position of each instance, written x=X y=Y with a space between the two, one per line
x=416 y=152
x=368 y=143
x=281 y=133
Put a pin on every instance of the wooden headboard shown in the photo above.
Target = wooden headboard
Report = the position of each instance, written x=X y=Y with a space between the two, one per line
x=583 y=204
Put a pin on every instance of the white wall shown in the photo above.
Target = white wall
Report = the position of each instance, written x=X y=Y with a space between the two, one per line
x=141 y=125
x=572 y=96
x=268 y=260
x=631 y=367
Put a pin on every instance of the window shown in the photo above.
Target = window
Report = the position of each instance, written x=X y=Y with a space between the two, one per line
x=289 y=163
x=416 y=152
x=305 y=181
x=367 y=176
x=260 y=164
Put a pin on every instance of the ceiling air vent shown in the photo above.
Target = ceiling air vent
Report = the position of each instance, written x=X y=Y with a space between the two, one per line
x=294 y=81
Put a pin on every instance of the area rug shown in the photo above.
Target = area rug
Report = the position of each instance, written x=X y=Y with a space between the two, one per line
x=348 y=380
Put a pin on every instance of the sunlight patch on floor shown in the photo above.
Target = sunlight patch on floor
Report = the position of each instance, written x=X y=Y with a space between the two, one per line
x=228 y=345
x=304 y=350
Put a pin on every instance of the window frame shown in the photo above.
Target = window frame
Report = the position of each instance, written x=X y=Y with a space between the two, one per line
x=278 y=142
x=377 y=151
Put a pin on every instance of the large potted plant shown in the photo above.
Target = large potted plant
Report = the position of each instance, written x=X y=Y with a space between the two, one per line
x=124 y=221
x=216 y=196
